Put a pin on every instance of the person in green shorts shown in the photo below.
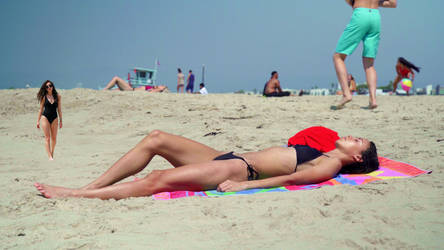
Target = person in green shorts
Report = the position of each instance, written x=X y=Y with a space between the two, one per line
x=365 y=26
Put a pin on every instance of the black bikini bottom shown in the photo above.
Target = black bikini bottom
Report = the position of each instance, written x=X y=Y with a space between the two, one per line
x=252 y=174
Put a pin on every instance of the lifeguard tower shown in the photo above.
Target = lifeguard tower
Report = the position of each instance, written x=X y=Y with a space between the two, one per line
x=143 y=77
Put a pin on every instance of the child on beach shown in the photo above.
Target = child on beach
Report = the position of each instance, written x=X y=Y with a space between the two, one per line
x=50 y=105
x=365 y=25
x=198 y=167
x=404 y=69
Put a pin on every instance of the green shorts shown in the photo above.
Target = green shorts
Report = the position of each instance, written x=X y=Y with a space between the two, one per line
x=365 y=25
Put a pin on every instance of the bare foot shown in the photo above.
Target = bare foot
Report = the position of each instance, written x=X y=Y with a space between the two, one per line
x=342 y=103
x=53 y=191
x=372 y=106
x=51 y=159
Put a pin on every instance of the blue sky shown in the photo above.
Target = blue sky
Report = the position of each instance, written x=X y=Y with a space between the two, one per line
x=85 y=43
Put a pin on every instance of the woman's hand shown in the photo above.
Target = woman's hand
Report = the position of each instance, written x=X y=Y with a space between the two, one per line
x=60 y=124
x=38 y=124
x=231 y=186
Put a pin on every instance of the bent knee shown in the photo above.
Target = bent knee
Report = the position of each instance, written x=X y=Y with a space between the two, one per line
x=155 y=133
x=154 y=139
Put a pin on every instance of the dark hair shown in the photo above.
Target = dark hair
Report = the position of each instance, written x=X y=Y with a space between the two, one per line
x=272 y=73
x=352 y=2
x=369 y=162
x=43 y=91
x=179 y=70
x=408 y=64
x=202 y=84
x=190 y=71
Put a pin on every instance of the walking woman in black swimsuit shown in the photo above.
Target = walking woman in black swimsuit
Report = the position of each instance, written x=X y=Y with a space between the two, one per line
x=198 y=167
x=50 y=105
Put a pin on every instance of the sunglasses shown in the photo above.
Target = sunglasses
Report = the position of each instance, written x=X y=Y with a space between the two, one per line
x=49 y=86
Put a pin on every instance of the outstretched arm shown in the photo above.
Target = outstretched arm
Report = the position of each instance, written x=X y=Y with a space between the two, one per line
x=387 y=3
x=322 y=172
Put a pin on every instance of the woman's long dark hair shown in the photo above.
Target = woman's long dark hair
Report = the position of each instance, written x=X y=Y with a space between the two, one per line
x=42 y=92
x=352 y=2
x=408 y=64
x=369 y=162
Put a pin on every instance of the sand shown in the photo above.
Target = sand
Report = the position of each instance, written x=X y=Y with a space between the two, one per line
x=100 y=126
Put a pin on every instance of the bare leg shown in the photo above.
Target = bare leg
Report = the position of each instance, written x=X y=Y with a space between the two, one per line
x=372 y=78
x=177 y=150
x=122 y=84
x=395 y=83
x=341 y=72
x=159 y=88
x=46 y=127
x=194 y=177
x=54 y=130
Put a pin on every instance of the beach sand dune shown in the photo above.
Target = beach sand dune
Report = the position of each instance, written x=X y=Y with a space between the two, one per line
x=100 y=126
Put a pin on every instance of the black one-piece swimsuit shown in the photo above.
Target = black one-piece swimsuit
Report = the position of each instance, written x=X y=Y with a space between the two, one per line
x=50 y=111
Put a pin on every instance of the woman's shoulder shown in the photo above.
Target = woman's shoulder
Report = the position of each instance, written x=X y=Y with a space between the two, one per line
x=330 y=161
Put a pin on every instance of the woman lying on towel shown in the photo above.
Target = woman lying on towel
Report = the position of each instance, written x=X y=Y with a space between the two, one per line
x=124 y=86
x=198 y=167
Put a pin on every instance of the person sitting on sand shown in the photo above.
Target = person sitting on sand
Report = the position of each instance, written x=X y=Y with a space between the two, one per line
x=124 y=86
x=404 y=69
x=50 y=106
x=351 y=85
x=202 y=89
x=198 y=167
x=273 y=87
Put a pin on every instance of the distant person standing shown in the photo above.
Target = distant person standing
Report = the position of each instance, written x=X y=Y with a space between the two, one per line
x=365 y=25
x=190 y=82
x=404 y=69
x=180 y=80
x=50 y=105
x=273 y=87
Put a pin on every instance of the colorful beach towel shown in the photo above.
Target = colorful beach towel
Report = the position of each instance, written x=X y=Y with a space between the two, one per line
x=388 y=169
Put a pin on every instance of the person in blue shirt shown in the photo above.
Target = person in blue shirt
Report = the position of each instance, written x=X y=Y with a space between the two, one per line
x=190 y=82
